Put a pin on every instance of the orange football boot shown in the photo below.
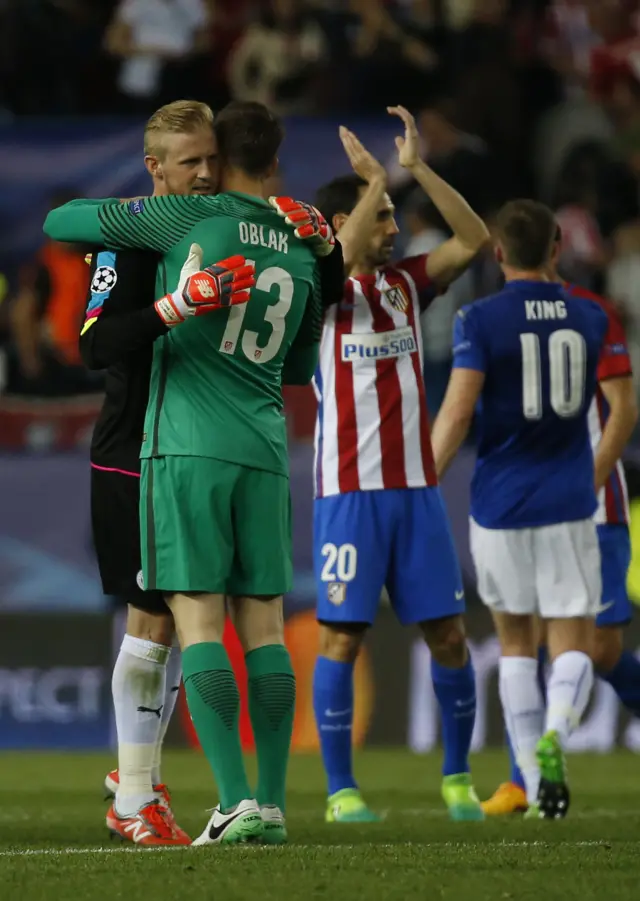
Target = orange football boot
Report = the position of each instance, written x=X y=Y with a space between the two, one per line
x=152 y=825
x=165 y=800
x=111 y=783
x=507 y=798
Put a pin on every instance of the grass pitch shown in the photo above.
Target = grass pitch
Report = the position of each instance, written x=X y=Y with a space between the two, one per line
x=54 y=846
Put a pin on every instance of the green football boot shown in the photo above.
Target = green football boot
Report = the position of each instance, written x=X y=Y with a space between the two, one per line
x=460 y=797
x=553 y=793
x=347 y=806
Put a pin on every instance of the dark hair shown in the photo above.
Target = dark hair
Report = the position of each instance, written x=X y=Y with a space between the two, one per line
x=249 y=136
x=527 y=230
x=339 y=196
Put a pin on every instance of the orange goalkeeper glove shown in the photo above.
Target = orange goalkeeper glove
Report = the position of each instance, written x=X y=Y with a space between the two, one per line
x=308 y=222
x=201 y=291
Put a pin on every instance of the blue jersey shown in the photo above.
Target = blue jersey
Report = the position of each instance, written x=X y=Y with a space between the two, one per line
x=538 y=347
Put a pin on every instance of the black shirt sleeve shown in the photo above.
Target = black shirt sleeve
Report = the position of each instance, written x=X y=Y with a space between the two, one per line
x=302 y=357
x=332 y=277
x=120 y=318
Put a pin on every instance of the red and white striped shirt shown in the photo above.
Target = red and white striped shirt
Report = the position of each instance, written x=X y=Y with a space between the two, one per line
x=613 y=499
x=372 y=429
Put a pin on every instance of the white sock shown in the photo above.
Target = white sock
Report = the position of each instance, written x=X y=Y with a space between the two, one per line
x=523 y=707
x=568 y=692
x=138 y=687
x=174 y=675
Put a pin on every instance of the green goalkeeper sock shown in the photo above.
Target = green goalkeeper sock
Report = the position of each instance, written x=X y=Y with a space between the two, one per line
x=272 y=701
x=214 y=705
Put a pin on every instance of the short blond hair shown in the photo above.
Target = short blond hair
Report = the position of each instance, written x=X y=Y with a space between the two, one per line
x=175 y=118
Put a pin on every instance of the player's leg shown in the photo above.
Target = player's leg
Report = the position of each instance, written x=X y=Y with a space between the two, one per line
x=148 y=634
x=171 y=694
x=139 y=693
x=262 y=572
x=522 y=703
x=426 y=589
x=618 y=667
x=569 y=590
x=506 y=575
x=259 y=624
x=511 y=796
x=214 y=704
x=187 y=552
x=333 y=707
x=139 y=675
x=351 y=557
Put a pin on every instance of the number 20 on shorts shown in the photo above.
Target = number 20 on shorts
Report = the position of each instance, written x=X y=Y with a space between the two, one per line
x=341 y=563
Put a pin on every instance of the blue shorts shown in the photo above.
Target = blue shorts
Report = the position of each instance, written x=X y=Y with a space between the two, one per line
x=615 y=555
x=399 y=538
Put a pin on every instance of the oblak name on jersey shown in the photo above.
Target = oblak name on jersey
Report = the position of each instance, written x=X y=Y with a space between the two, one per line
x=260 y=236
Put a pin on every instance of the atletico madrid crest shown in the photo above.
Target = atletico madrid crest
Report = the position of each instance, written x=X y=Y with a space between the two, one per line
x=337 y=593
x=397 y=298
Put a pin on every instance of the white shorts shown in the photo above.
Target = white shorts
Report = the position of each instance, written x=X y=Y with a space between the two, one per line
x=553 y=571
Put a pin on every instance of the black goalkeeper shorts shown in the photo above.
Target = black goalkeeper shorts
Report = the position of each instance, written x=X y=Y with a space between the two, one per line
x=115 y=519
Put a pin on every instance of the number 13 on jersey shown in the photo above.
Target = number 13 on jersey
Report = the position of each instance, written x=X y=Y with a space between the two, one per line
x=275 y=315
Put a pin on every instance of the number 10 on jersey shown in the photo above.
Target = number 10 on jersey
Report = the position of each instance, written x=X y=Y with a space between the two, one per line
x=567 y=373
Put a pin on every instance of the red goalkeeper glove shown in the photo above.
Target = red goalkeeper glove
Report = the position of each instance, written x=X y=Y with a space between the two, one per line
x=200 y=291
x=309 y=224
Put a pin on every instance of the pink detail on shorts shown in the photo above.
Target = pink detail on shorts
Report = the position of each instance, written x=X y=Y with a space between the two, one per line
x=123 y=472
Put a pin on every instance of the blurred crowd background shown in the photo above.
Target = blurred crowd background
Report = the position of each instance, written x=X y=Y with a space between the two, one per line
x=513 y=97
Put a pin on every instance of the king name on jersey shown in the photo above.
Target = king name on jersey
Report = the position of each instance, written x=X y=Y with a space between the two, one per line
x=545 y=309
x=263 y=236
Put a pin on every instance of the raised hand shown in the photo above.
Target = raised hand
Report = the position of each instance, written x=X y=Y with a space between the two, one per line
x=362 y=162
x=409 y=144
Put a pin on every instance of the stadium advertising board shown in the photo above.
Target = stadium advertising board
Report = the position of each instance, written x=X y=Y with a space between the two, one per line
x=55 y=677
x=55 y=681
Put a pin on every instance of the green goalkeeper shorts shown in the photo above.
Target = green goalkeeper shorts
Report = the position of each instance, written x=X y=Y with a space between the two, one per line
x=209 y=525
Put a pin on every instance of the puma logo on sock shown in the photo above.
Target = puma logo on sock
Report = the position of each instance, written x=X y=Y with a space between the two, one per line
x=157 y=711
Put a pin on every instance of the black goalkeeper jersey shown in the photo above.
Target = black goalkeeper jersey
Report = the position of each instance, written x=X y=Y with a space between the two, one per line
x=120 y=327
x=117 y=335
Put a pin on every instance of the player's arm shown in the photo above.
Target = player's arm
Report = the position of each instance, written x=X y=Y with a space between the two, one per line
x=332 y=276
x=616 y=383
x=463 y=391
x=114 y=326
x=356 y=231
x=112 y=330
x=151 y=223
x=77 y=221
x=623 y=416
x=470 y=234
x=301 y=360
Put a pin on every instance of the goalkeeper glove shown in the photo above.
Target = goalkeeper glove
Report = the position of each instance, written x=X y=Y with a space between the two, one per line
x=202 y=291
x=309 y=224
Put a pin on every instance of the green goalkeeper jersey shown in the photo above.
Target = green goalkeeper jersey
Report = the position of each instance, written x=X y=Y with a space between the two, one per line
x=216 y=379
